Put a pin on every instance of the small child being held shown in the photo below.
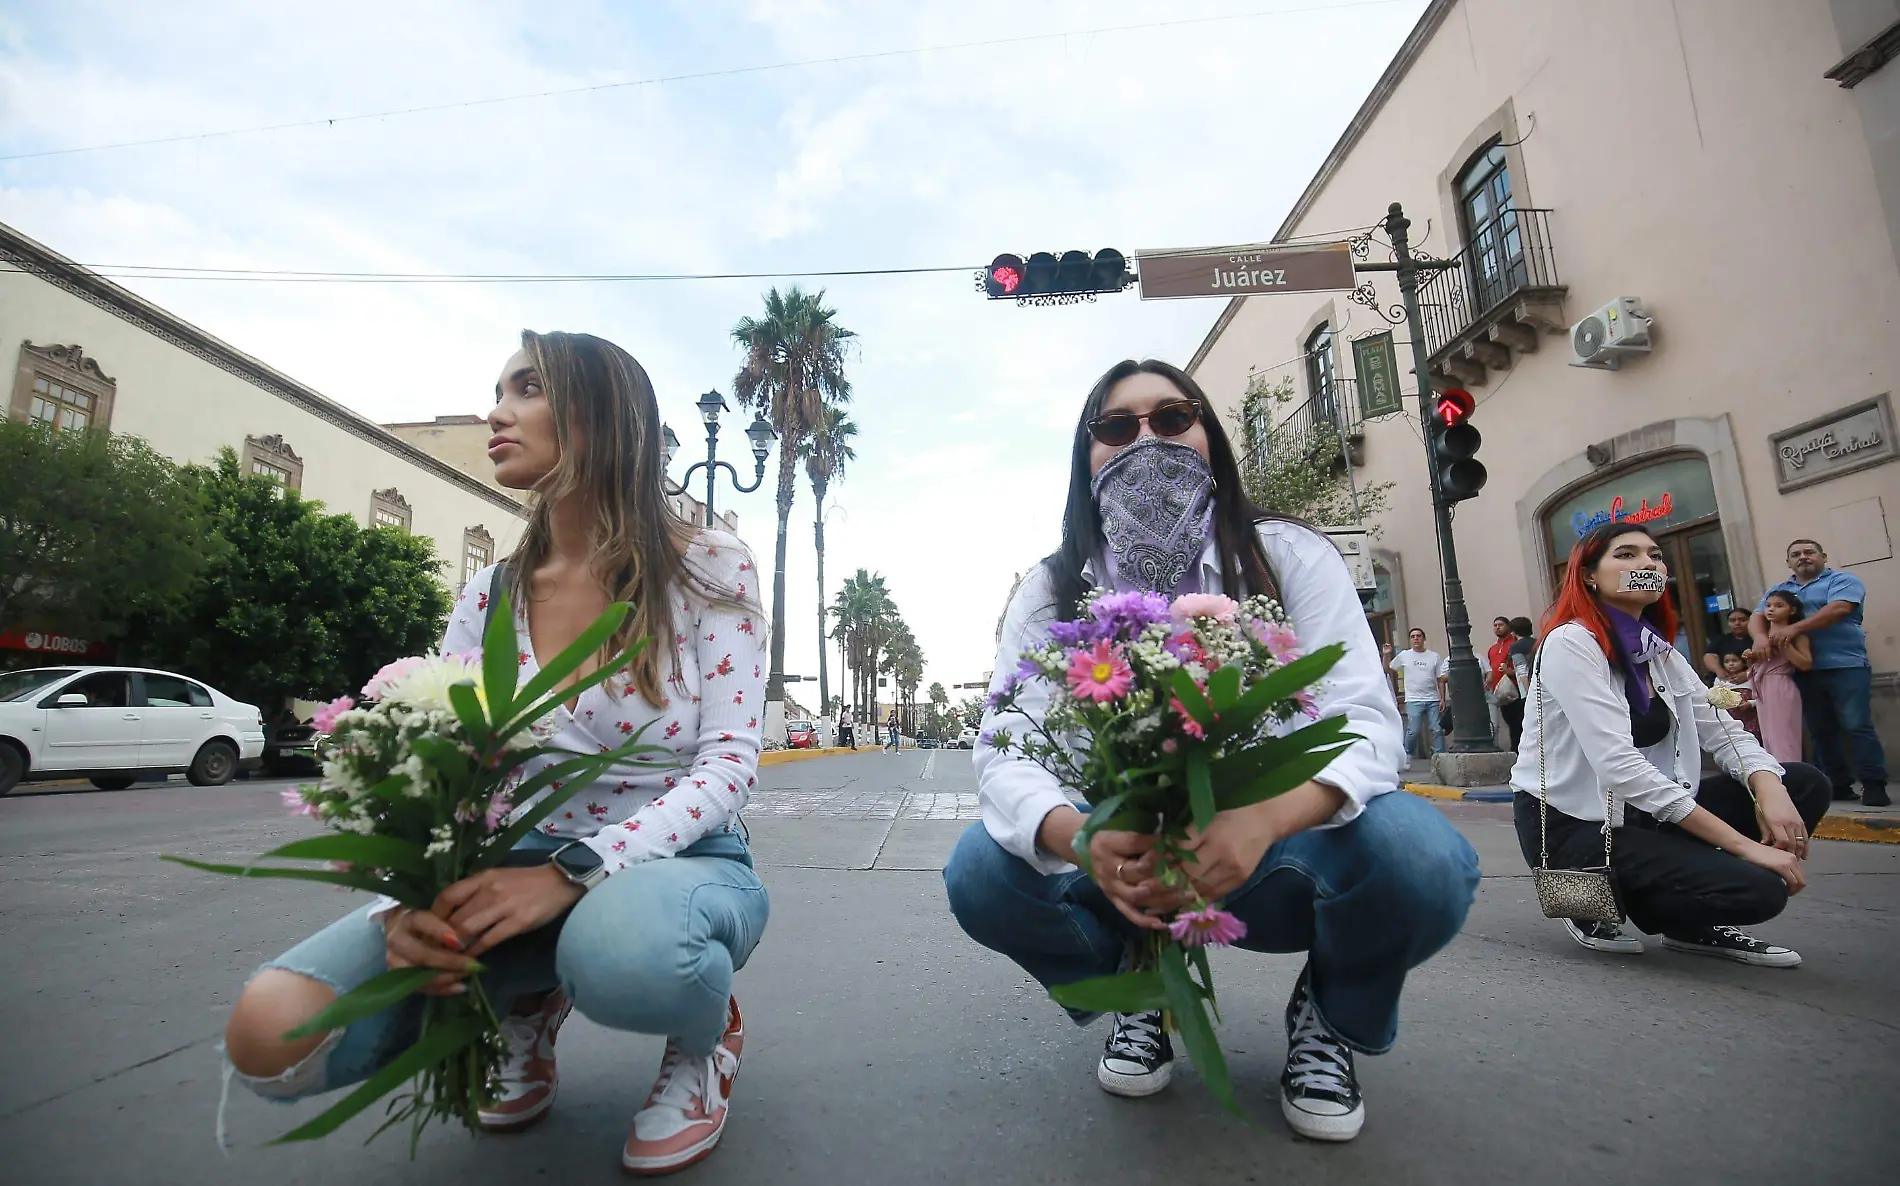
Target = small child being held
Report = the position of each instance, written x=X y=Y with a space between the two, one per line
x=1735 y=677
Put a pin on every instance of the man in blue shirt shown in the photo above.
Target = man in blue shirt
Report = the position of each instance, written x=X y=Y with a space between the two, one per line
x=1836 y=694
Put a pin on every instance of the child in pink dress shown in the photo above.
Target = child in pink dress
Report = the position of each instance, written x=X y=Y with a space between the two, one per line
x=1771 y=672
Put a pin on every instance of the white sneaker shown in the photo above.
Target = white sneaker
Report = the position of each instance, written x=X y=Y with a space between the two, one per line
x=1138 y=1059
x=685 y=1113
x=1319 y=1090
x=1732 y=943
x=1603 y=936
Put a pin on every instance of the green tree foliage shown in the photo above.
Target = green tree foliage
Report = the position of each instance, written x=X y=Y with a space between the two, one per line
x=1300 y=472
x=96 y=529
x=300 y=603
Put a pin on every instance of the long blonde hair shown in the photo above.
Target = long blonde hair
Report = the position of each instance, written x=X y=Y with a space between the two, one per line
x=607 y=425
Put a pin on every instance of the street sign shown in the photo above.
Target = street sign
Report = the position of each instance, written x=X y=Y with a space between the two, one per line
x=1245 y=271
x=1376 y=364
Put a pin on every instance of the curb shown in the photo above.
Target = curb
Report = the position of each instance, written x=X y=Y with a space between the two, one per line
x=1860 y=827
x=778 y=757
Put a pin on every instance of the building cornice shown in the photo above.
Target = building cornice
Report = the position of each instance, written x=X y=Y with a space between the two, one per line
x=1395 y=72
x=36 y=259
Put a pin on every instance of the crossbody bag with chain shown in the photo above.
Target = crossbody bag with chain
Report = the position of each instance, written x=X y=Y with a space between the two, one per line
x=1586 y=895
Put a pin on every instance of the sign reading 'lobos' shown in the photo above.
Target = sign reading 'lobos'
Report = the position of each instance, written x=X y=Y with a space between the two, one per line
x=1245 y=271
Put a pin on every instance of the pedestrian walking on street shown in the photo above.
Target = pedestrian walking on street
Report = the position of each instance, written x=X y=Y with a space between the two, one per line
x=1837 y=688
x=1497 y=675
x=638 y=905
x=846 y=734
x=1368 y=882
x=1426 y=675
x=1772 y=673
x=1518 y=658
x=891 y=727
x=1613 y=741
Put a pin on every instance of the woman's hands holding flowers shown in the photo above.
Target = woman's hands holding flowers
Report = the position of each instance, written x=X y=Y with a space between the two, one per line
x=495 y=905
x=419 y=939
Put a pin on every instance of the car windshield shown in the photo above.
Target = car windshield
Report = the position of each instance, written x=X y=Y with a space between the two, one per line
x=21 y=685
x=799 y=725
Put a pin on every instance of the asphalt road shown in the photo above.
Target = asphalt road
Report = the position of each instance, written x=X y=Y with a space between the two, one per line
x=883 y=1046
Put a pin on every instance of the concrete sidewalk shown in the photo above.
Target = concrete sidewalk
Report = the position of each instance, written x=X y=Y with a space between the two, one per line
x=883 y=1046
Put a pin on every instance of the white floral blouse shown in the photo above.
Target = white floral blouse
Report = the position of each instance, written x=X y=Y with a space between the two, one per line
x=653 y=807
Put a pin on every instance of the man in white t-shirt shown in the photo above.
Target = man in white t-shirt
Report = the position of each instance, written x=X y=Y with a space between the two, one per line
x=1425 y=674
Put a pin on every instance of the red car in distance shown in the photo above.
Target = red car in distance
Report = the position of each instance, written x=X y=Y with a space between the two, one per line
x=801 y=735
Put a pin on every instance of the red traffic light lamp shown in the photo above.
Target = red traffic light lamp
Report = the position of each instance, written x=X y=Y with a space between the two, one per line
x=1046 y=278
x=1454 y=407
x=1005 y=276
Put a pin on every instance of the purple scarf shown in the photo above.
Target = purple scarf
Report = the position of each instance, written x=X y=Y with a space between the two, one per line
x=1156 y=500
x=1638 y=643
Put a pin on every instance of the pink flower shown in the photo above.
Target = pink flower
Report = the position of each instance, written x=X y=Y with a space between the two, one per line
x=380 y=683
x=1199 y=928
x=1189 y=606
x=1099 y=674
x=298 y=805
x=498 y=809
x=1308 y=705
x=1189 y=725
x=325 y=718
x=1279 y=640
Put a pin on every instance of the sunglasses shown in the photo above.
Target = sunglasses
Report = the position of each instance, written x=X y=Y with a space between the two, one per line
x=1169 y=420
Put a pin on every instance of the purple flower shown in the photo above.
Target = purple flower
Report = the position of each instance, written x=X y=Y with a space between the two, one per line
x=1208 y=926
x=1128 y=613
x=1070 y=634
x=1026 y=668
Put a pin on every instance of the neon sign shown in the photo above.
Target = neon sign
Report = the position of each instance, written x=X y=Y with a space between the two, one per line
x=1665 y=506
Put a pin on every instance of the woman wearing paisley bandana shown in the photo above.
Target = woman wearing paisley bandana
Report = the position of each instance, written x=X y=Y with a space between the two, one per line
x=1621 y=730
x=1369 y=883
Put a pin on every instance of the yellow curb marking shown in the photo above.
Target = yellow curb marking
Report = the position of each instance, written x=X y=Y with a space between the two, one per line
x=778 y=757
x=1862 y=829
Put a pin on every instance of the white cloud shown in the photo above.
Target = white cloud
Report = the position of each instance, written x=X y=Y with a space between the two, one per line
x=1188 y=135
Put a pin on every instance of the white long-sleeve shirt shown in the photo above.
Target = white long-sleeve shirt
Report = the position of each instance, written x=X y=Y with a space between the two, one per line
x=641 y=810
x=1322 y=606
x=1582 y=735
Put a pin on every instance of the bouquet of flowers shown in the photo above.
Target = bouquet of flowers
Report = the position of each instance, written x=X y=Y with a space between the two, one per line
x=419 y=791
x=1163 y=714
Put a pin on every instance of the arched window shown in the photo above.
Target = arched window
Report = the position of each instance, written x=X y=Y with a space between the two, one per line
x=1492 y=235
x=1320 y=383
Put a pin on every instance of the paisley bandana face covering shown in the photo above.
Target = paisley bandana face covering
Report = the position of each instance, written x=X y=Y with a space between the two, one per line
x=1156 y=499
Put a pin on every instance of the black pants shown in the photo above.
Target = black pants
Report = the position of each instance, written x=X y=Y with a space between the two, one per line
x=1670 y=882
x=1514 y=720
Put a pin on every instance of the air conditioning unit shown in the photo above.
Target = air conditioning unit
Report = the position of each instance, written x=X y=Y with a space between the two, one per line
x=1602 y=340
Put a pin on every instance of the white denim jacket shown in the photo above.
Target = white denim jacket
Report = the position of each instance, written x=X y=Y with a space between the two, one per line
x=1322 y=606
x=1583 y=736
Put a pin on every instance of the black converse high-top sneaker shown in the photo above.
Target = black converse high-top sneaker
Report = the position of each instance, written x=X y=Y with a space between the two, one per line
x=1319 y=1091
x=1139 y=1059
x=1733 y=943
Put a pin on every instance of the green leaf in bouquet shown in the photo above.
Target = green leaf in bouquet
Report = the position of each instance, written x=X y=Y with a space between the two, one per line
x=1124 y=992
x=468 y=710
x=1197 y=1033
x=1280 y=685
x=1192 y=699
x=501 y=659
x=1244 y=765
x=1200 y=790
x=353 y=880
x=599 y=675
x=584 y=647
x=369 y=852
x=365 y=1000
x=1197 y=958
x=429 y=1050
x=584 y=771
x=1223 y=688
x=1281 y=778
x=442 y=755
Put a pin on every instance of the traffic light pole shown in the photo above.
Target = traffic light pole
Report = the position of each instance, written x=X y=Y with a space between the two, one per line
x=1471 y=716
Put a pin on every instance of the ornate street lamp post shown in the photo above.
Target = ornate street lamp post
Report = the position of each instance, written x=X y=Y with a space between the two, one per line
x=760 y=433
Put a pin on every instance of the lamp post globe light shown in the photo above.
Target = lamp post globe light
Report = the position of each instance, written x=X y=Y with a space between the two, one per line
x=760 y=433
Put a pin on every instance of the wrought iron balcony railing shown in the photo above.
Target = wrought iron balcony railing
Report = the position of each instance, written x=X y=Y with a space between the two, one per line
x=1503 y=294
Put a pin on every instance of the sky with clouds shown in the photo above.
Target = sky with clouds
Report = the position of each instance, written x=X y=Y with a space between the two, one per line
x=1202 y=132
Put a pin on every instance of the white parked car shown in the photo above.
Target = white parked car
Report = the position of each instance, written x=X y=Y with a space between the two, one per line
x=967 y=738
x=117 y=724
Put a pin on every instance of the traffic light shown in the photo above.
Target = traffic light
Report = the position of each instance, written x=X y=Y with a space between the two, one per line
x=1074 y=274
x=1454 y=446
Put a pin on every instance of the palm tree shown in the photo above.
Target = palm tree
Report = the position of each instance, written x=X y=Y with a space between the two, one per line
x=794 y=366
x=825 y=451
x=863 y=610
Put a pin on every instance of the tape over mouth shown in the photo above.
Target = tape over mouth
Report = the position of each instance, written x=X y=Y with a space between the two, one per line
x=1644 y=581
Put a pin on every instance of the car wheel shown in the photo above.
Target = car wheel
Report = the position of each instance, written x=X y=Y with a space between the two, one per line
x=113 y=782
x=12 y=766
x=213 y=767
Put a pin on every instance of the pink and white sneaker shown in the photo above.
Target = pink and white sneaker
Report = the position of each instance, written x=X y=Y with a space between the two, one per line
x=528 y=1078
x=685 y=1113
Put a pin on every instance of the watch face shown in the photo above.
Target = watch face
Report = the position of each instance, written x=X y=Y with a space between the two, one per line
x=577 y=860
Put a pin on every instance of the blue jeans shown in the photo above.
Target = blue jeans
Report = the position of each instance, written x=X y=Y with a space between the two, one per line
x=1836 y=706
x=1423 y=712
x=1368 y=901
x=652 y=949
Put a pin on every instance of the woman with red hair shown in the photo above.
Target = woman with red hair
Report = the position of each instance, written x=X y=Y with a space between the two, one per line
x=1615 y=725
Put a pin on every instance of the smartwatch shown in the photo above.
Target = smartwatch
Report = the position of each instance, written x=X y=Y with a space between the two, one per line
x=579 y=864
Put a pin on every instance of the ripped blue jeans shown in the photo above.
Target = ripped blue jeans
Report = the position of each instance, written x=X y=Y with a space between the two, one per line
x=652 y=950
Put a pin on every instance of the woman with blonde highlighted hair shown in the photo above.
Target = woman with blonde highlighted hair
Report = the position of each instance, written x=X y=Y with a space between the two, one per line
x=637 y=902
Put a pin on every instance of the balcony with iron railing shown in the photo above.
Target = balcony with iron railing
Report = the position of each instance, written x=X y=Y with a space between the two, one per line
x=1501 y=298
x=1312 y=426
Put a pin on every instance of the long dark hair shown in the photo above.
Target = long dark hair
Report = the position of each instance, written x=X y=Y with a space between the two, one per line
x=1796 y=612
x=1577 y=602
x=1243 y=562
